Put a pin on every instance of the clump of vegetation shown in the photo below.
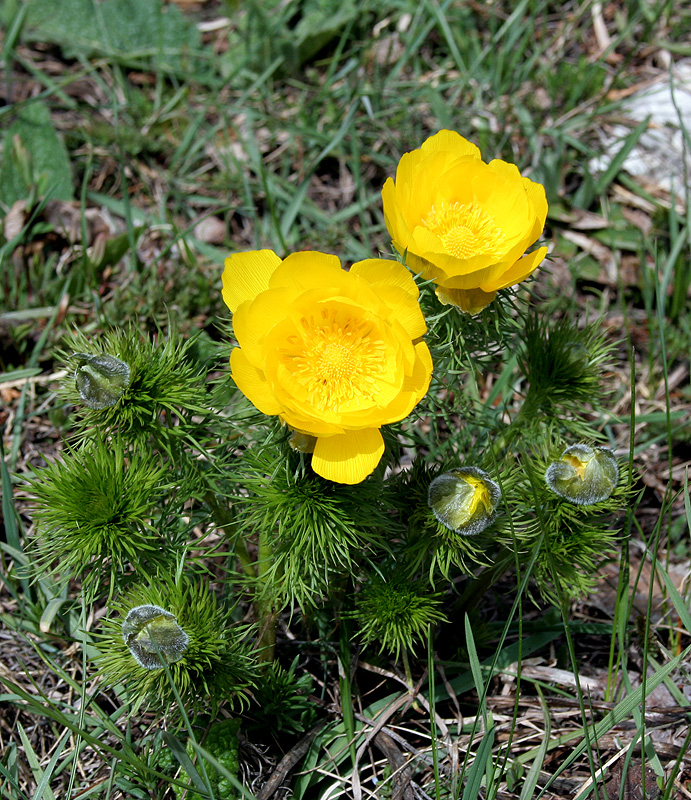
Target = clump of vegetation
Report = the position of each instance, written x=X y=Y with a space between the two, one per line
x=400 y=454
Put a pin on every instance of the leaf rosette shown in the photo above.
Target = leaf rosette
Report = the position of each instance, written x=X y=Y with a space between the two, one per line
x=334 y=354
x=463 y=223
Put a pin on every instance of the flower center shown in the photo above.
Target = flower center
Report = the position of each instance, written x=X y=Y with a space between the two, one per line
x=337 y=360
x=465 y=229
x=334 y=361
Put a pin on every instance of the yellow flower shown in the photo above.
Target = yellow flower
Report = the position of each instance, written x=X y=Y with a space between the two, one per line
x=463 y=223
x=334 y=354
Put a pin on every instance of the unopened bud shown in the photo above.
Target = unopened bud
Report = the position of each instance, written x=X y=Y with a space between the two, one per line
x=154 y=636
x=302 y=442
x=583 y=475
x=101 y=380
x=465 y=500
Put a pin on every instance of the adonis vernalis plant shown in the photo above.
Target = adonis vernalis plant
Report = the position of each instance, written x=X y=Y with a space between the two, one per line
x=463 y=223
x=165 y=479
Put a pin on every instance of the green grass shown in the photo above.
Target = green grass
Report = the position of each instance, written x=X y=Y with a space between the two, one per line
x=282 y=123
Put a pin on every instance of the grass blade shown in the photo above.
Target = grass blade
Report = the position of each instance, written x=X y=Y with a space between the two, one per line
x=531 y=778
x=618 y=714
x=482 y=763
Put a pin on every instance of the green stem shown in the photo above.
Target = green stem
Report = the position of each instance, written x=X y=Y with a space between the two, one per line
x=406 y=669
x=409 y=678
x=259 y=573
x=264 y=608
x=224 y=520
x=433 y=712
x=345 y=686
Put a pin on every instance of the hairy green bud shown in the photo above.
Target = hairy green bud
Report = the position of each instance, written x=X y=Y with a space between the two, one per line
x=101 y=379
x=583 y=474
x=154 y=636
x=464 y=500
x=204 y=651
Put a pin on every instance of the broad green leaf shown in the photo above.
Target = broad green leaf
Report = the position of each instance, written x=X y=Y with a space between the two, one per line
x=34 y=154
x=127 y=31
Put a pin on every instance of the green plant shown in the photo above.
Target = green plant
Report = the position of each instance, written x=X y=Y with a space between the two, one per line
x=215 y=665
x=220 y=742
x=178 y=497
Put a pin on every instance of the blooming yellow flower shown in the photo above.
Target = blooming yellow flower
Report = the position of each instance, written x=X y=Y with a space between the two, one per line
x=463 y=223
x=334 y=354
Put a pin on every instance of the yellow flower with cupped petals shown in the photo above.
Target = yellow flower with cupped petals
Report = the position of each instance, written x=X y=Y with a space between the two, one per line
x=334 y=354
x=463 y=223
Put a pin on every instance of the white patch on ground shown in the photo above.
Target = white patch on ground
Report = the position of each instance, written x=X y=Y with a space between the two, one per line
x=662 y=149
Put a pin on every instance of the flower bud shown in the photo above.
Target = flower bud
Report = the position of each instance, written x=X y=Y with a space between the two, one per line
x=101 y=380
x=464 y=500
x=152 y=634
x=583 y=475
x=302 y=442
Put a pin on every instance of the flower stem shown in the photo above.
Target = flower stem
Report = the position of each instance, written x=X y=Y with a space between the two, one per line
x=264 y=606
x=224 y=520
x=264 y=609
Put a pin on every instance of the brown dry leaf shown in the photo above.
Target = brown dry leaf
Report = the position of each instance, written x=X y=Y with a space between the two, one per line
x=66 y=218
x=600 y=28
x=387 y=50
x=190 y=6
x=598 y=251
x=625 y=197
x=9 y=395
x=15 y=220
x=633 y=782
x=639 y=219
x=579 y=219
x=640 y=585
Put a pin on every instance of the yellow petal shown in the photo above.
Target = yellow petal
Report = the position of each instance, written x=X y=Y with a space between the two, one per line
x=451 y=141
x=421 y=266
x=472 y=301
x=478 y=278
x=384 y=272
x=252 y=383
x=394 y=219
x=536 y=196
x=423 y=370
x=519 y=271
x=429 y=247
x=253 y=321
x=440 y=176
x=308 y=270
x=404 y=310
x=246 y=275
x=413 y=389
x=350 y=457
x=508 y=174
x=308 y=424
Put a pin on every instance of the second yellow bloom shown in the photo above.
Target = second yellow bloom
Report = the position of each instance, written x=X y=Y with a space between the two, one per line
x=463 y=223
